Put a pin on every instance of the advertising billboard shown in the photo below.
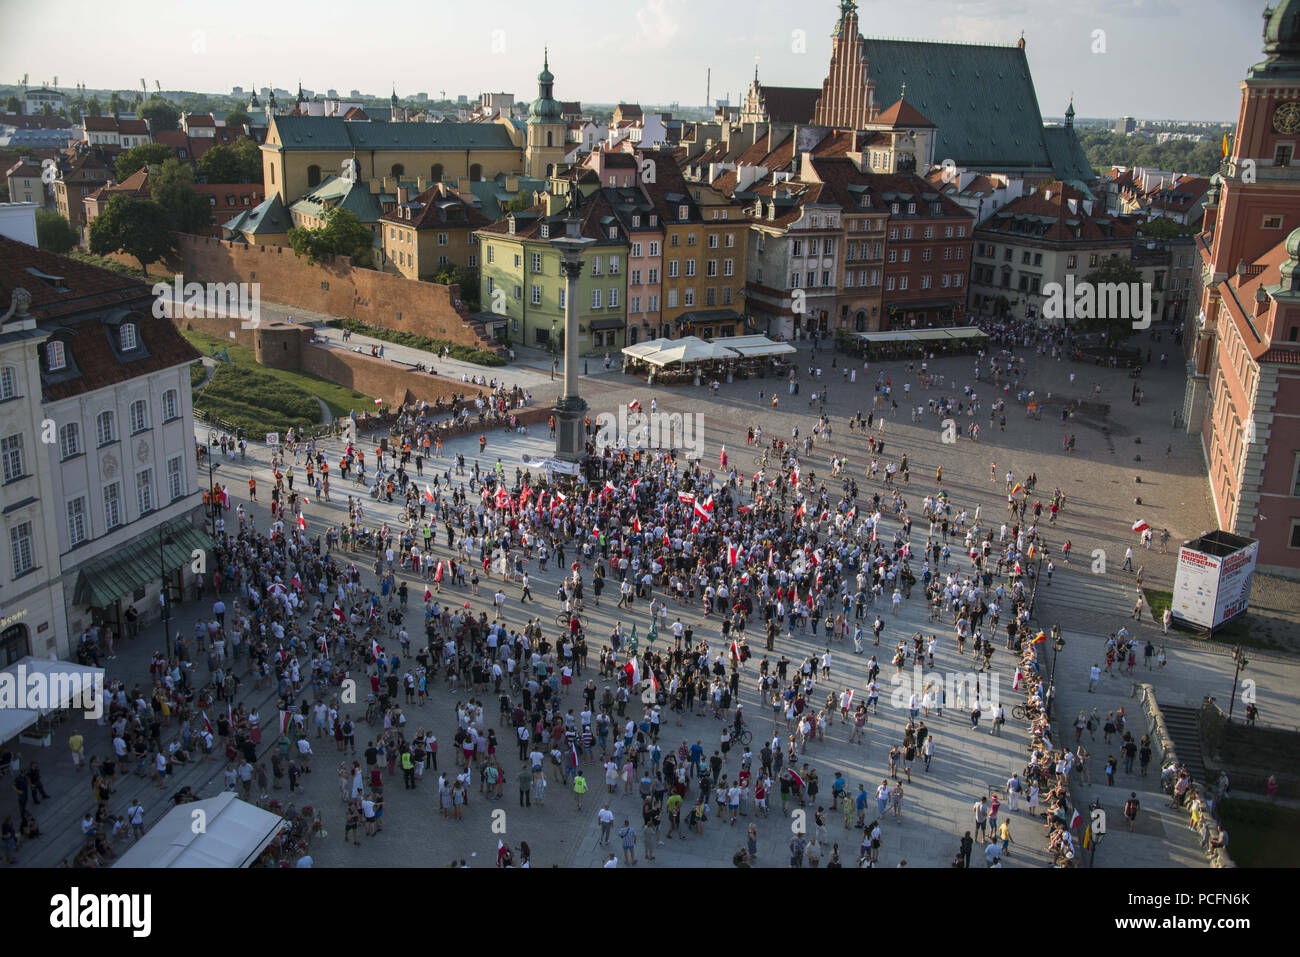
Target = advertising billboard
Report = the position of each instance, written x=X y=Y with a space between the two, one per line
x=1214 y=578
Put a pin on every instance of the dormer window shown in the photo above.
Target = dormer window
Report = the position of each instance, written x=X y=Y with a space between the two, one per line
x=512 y=225
x=55 y=357
x=128 y=339
x=683 y=212
x=636 y=222
x=546 y=231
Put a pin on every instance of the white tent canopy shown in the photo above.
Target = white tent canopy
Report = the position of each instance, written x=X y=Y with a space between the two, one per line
x=64 y=679
x=689 y=350
x=649 y=347
x=234 y=833
x=14 y=721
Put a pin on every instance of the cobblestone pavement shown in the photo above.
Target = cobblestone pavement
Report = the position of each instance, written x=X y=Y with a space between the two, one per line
x=1099 y=484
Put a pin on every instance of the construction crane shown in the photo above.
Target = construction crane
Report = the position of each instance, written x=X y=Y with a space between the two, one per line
x=157 y=86
x=143 y=85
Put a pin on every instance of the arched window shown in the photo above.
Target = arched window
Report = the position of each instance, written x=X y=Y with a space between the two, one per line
x=70 y=440
x=860 y=321
x=550 y=170
x=398 y=169
x=435 y=172
x=475 y=173
x=139 y=410
x=313 y=175
x=105 y=427
x=8 y=383
x=550 y=138
x=127 y=337
x=15 y=644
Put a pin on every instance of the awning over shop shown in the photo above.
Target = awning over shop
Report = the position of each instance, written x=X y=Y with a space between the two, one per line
x=757 y=346
x=103 y=582
x=606 y=324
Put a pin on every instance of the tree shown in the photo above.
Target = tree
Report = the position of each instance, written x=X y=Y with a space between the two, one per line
x=161 y=114
x=171 y=186
x=47 y=110
x=237 y=118
x=94 y=107
x=115 y=104
x=467 y=279
x=76 y=113
x=135 y=226
x=1116 y=328
x=342 y=235
x=517 y=205
x=14 y=105
x=54 y=233
x=146 y=154
x=240 y=162
x=1162 y=227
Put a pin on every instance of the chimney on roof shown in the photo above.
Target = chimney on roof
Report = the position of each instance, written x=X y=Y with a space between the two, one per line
x=403 y=195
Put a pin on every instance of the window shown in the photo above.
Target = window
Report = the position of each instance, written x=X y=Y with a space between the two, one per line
x=889 y=284
x=546 y=231
x=907 y=232
x=956 y=279
x=536 y=297
x=1273 y=222
x=8 y=383
x=636 y=224
x=688 y=297
x=442 y=239
x=731 y=241
x=690 y=267
x=654 y=249
x=175 y=478
x=636 y=250
x=907 y=255
x=713 y=240
x=928 y=233
x=653 y=277
x=490 y=252
x=925 y=255
x=70 y=440
x=634 y=304
x=613 y=298
x=613 y=232
x=11 y=453
x=595 y=299
x=1024 y=258
x=55 y=357
x=519 y=260
x=925 y=282
x=654 y=221
x=728 y=267
x=893 y=256
x=77 y=520
x=144 y=491
x=613 y=265
x=672 y=269
x=711 y=296
x=1071 y=261
x=1092 y=260
x=595 y=266
x=944 y=281
x=796 y=248
x=726 y=296
x=826 y=277
x=105 y=427
x=672 y=299
x=472 y=261
x=491 y=284
x=537 y=262
x=893 y=234
x=519 y=292
x=139 y=412
x=902 y=282
x=171 y=405
x=683 y=212
x=652 y=304
x=1283 y=155
x=562 y=297
x=20 y=548
x=794 y=280
x=128 y=339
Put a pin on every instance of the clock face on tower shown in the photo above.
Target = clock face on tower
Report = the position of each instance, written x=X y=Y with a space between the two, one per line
x=1286 y=118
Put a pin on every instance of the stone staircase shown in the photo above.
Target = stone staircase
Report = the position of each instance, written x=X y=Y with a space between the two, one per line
x=1185 y=729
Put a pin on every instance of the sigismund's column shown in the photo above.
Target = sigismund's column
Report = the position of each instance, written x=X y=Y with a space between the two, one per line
x=571 y=409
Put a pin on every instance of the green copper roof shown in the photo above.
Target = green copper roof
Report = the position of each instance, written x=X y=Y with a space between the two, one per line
x=1069 y=161
x=335 y=133
x=335 y=192
x=1281 y=43
x=980 y=97
x=267 y=217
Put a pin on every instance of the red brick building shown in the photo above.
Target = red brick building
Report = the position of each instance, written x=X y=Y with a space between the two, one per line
x=1243 y=390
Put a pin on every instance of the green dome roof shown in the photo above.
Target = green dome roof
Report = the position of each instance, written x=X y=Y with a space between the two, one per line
x=545 y=109
x=1281 y=41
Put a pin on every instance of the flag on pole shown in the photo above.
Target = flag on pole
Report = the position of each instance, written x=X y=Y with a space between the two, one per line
x=731 y=555
x=686 y=497
x=1140 y=526
x=1019 y=487
x=705 y=509
x=799 y=512
x=428 y=493
x=795 y=779
x=501 y=497
x=338 y=613
x=1087 y=838
x=636 y=523
x=302 y=521
x=437 y=574
x=379 y=402
x=375 y=650
x=1075 y=819
x=573 y=754
x=635 y=404
x=428 y=595
x=206 y=723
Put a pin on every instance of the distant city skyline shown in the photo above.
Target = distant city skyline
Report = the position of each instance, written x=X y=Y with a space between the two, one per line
x=1146 y=62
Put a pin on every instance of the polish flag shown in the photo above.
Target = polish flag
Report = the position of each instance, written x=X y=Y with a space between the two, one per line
x=428 y=493
x=379 y=402
x=795 y=779
x=686 y=497
x=302 y=522
x=375 y=650
x=794 y=476
x=735 y=649
x=636 y=524
x=561 y=497
x=815 y=557
x=654 y=684
x=744 y=509
x=437 y=574
x=634 y=406
x=206 y=723
x=428 y=595
x=633 y=670
x=1140 y=526
x=705 y=509
x=609 y=487
x=799 y=513
x=501 y=497
x=338 y=613
x=573 y=754
x=1075 y=819
x=731 y=555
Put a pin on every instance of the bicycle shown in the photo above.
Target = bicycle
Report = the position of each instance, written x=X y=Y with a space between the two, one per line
x=1024 y=712
x=563 y=619
x=742 y=736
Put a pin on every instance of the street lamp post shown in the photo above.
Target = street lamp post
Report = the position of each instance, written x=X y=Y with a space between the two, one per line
x=1058 y=645
x=164 y=540
x=1239 y=659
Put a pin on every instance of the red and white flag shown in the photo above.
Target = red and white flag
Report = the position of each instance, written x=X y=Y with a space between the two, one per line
x=799 y=512
x=302 y=522
x=705 y=509
x=501 y=497
x=375 y=650
x=338 y=613
x=1140 y=526
x=634 y=406
x=428 y=493
x=636 y=523
x=686 y=497
x=731 y=554
x=437 y=574
x=428 y=595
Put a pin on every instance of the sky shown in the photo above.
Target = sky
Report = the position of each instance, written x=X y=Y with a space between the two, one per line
x=1144 y=58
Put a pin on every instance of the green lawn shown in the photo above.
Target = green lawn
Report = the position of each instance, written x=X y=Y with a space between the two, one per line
x=1262 y=834
x=265 y=396
x=1235 y=632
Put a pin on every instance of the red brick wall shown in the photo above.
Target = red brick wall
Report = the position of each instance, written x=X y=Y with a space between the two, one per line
x=380 y=377
x=335 y=287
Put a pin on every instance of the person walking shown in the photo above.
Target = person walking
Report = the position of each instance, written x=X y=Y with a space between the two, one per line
x=606 y=818
x=627 y=834
x=797 y=846
x=579 y=787
x=1131 y=808
x=981 y=811
x=967 y=845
